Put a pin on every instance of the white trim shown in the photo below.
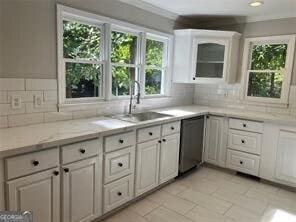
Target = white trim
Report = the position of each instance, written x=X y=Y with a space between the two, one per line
x=288 y=39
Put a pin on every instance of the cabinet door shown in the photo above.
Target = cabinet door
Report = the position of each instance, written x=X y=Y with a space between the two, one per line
x=286 y=156
x=213 y=139
x=39 y=193
x=169 y=157
x=210 y=59
x=81 y=191
x=147 y=170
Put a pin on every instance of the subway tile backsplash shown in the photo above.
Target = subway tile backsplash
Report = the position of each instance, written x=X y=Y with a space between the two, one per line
x=182 y=94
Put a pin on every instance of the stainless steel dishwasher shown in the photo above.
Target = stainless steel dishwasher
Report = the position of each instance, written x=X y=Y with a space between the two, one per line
x=191 y=145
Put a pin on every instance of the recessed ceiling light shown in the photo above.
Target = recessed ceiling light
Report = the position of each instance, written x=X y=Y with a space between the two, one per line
x=256 y=3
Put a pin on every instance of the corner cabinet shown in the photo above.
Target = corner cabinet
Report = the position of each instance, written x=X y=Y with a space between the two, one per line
x=205 y=56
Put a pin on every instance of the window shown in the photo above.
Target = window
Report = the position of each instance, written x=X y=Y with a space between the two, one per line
x=155 y=65
x=124 y=61
x=82 y=59
x=99 y=56
x=267 y=68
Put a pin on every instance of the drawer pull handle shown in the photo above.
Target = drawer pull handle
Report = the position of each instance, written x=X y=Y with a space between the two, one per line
x=172 y=128
x=241 y=162
x=121 y=141
x=244 y=125
x=163 y=140
x=119 y=193
x=66 y=170
x=56 y=173
x=150 y=133
x=82 y=151
x=243 y=141
x=35 y=162
x=120 y=164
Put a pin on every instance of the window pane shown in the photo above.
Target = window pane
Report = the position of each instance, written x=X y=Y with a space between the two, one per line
x=265 y=84
x=121 y=77
x=123 y=48
x=81 y=41
x=269 y=57
x=154 y=53
x=153 y=81
x=83 y=80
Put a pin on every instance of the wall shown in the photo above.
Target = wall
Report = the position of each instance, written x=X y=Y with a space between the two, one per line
x=28 y=59
x=228 y=95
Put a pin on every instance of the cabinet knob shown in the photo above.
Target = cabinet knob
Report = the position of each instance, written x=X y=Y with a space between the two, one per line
x=150 y=133
x=193 y=78
x=120 y=164
x=82 y=150
x=66 y=170
x=159 y=141
x=35 y=162
x=208 y=117
x=241 y=162
x=172 y=128
x=121 y=141
x=163 y=140
x=56 y=173
x=119 y=193
x=244 y=125
x=243 y=141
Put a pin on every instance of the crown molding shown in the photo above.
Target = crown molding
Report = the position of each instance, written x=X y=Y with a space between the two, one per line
x=151 y=8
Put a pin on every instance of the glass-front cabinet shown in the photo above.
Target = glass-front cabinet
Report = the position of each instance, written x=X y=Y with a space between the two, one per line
x=203 y=56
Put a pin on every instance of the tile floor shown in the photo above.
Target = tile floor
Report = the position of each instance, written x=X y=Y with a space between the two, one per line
x=210 y=195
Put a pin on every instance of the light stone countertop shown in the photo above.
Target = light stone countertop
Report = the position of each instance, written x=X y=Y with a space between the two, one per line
x=35 y=137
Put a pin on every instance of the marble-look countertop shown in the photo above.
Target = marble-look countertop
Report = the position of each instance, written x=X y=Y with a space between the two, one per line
x=35 y=137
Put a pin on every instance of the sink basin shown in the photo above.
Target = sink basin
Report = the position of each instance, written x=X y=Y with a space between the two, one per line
x=140 y=117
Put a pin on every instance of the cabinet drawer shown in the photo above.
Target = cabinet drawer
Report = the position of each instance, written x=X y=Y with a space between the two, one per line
x=243 y=162
x=170 y=128
x=244 y=141
x=119 y=164
x=79 y=151
x=247 y=125
x=118 y=141
x=30 y=163
x=149 y=133
x=118 y=193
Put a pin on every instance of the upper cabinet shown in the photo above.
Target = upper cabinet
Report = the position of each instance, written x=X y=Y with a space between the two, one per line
x=205 y=56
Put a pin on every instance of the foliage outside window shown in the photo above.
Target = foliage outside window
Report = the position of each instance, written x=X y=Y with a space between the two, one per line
x=123 y=59
x=268 y=67
x=154 y=67
x=82 y=53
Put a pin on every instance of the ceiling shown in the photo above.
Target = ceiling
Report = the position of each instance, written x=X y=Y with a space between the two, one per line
x=271 y=9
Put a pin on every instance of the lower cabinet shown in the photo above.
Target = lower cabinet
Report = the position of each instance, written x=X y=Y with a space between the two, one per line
x=169 y=157
x=39 y=193
x=81 y=196
x=213 y=142
x=286 y=156
x=147 y=169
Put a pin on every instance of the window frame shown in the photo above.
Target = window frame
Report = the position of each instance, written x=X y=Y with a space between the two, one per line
x=287 y=71
x=107 y=25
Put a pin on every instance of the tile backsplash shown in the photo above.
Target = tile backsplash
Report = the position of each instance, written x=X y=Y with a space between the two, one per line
x=228 y=96
x=27 y=89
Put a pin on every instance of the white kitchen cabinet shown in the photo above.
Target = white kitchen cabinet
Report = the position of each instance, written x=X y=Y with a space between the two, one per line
x=286 y=156
x=215 y=141
x=169 y=157
x=147 y=170
x=205 y=56
x=81 y=191
x=39 y=193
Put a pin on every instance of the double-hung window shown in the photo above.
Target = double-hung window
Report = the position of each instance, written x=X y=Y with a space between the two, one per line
x=267 y=68
x=124 y=61
x=155 y=65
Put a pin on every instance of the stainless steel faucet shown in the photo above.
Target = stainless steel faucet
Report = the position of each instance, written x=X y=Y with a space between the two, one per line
x=131 y=87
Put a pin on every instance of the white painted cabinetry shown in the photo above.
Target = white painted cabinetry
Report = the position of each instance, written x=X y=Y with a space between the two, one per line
x=39 y=193
x=205 y=56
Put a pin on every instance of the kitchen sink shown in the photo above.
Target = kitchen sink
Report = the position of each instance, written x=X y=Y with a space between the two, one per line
x=140 y=117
